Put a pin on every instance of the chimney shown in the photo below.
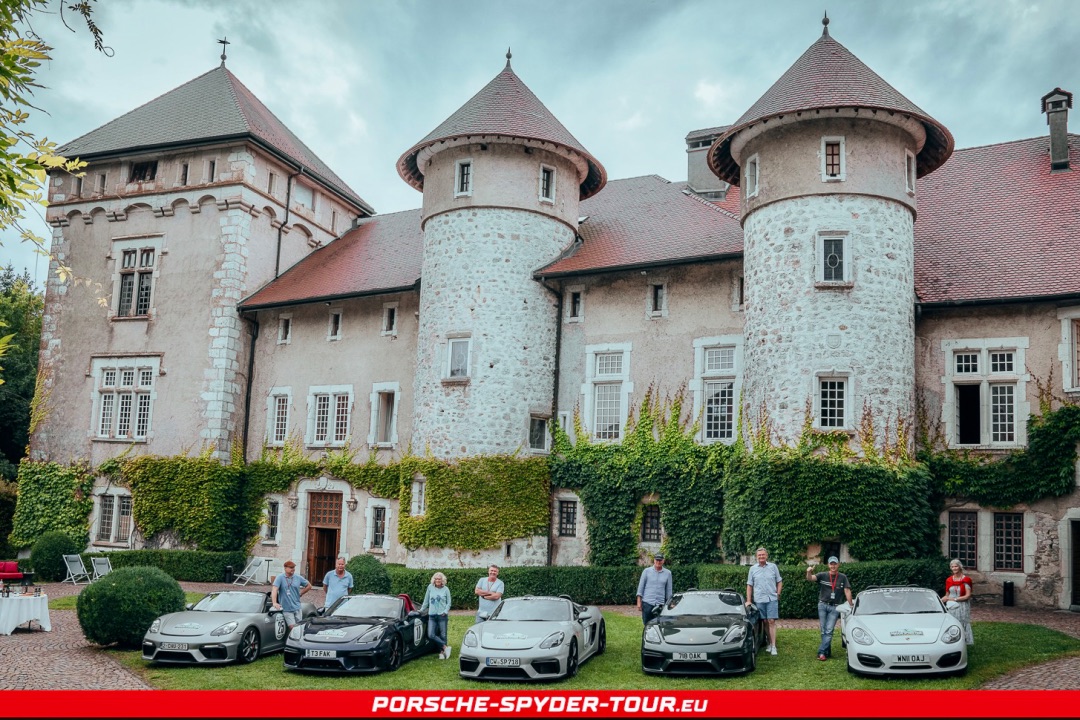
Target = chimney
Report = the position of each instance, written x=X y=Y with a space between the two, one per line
x=1056 y=105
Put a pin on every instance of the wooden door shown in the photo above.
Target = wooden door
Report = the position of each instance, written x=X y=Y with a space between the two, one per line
x=324 y=524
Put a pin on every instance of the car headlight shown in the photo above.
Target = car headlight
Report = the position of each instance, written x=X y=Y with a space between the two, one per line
x=296 y=633
x=552 y=640
x=226 y=629
x=861 y=636
x=735 y=634
x=155 y=626
x=652 y=635
x=952 y=634
x=375 y=634
x=470 y=639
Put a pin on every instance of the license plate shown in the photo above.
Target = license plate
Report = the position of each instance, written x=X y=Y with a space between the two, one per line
x=173 y=646
x=910 y=659
x=688 y=656
x=321 y=653
x=503 y=662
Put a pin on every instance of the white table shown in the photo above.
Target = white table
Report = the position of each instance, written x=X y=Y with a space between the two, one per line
x=18 y=609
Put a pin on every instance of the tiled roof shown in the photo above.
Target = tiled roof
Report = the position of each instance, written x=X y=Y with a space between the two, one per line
x=506 y=107
x=995 y=224
x=645 y=221
x=828 y=75
x=706 y=132
x=382 y=254
x=213 y=106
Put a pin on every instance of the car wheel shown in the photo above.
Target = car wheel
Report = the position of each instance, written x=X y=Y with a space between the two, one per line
x=393 y=661
x=249 y=646
x=571 y=660
x=601 y=644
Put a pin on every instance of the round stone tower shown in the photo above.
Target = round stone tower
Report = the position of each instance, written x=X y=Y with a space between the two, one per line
x=502 y=179
x=826 y=161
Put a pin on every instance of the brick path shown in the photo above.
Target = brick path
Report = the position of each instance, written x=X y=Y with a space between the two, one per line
x=64 y=660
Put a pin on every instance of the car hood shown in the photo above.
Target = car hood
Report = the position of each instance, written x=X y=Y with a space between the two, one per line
x=517 y=635
x=696 y=629
x=194 y=623
x=905 y=629
x=339 y=630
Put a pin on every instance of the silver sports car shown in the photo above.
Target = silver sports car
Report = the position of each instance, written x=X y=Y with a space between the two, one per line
x=532 y=638
x=220 y=628
x=902 y=631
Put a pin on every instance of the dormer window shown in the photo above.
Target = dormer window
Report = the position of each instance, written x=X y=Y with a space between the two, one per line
x=463 y=178
x=832 y=159
x=750 y=177
x=143 y=171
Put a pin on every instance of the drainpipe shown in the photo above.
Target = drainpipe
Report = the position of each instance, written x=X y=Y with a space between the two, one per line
x=285 y=220
x=254 y=327
x=554 y=390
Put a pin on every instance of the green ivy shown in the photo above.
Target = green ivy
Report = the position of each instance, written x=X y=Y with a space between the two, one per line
x=52 y=497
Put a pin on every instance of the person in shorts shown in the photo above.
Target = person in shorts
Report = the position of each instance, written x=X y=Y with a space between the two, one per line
x=286 y=593
x=763 y=586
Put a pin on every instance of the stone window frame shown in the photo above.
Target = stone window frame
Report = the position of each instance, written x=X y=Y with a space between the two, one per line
x=546 y=448
x=418 y=496
x=369 y=526
x=265 y=538
x=910 y=172
x=848 y=273
x=139 y=365
x=651 y=299
x=1069 y=348
x=834 y=375
x=464 y=180
x=650 y=508
x=550 y=197
x=334 y=392
x=390 y=315
x=702 y=376
x=560 y=526
x=154 y=242
x=570 y=291
x=331 y=336
x=752 y=181
x=272 y=416
x=985 y=378
x=300 y=193
x=1000 y=540
x=284 y=332
x=593 y=380
x=826 y=141
x=117 y=496
x=375 y=398
x=451 y=340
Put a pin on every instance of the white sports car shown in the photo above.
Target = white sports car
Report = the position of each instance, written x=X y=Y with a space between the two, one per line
x=902 y=631
x=532 y=638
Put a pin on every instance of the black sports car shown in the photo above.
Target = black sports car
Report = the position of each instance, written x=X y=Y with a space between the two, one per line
x=360 y=633
x=702 y=632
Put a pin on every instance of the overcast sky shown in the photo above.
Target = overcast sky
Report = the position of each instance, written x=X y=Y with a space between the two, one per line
x=361 y=81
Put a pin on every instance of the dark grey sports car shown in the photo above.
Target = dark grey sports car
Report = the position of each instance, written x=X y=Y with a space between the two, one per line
x=360 y=633
x=220 y=628
x=702 y=632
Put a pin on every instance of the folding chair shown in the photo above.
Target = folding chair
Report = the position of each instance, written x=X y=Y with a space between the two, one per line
x=102 y=567
x=249 y=572
x=76 y=571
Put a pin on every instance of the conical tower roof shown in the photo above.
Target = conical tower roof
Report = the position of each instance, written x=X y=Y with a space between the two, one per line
x=213 y=107
x=827 y=77
x=504 y=107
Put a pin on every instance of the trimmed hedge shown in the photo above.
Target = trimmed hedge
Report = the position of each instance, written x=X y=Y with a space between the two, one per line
x=47 y=555
x=618 y=585
x=118 y=608
x=187 y=565
x=369 y=575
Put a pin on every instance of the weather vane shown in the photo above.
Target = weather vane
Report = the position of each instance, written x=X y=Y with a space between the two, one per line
x=223 y=42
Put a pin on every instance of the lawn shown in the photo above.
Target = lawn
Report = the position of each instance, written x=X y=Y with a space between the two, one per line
x=1000 y=647
x=68 y=601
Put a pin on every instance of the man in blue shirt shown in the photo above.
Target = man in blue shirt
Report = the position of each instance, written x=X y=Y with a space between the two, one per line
x=654 y=588
x=338 y=582
x=763 y=587
x=286 y=593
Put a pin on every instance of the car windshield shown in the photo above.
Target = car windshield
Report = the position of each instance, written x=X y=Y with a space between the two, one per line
x=898 y=601
x=367 y=606
x=704 y=603
x=241 y=602
x=546 y=609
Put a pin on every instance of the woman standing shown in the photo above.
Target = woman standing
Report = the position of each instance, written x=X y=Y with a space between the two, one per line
x=958 y=598
x=437 y=602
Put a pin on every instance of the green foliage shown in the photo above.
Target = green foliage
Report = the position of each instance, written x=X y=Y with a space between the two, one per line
x=21 y=309
x=52 y=497
x=47 y=555
x=8 y=499
x=186 y=565
x=369 y=575
x=118 y=608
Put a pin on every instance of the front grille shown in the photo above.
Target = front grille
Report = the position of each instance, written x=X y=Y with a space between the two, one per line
x=320 y=664
x=215 y=653
x=912 y=668
x=950 y=660
x=468 y=664
x=695 y=668
x=869 y=660
x=292 y=657
x=505 y=673
x=174 y=656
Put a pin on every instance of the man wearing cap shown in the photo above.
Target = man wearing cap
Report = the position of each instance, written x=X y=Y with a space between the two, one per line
x=290 y=587
x=654 y=588
x=833 y=588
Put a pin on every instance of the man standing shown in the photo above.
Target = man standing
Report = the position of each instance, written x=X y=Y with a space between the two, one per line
x=490 y=590
x=338 y=582
x=654 y=587
x=763 y=586
x=289 y=588
x=831 y=585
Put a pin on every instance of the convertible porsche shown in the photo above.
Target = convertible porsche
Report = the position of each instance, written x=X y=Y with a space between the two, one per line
x=702 y=632
x=532 y=638
x=222 y=627
x=902 y=631
x=360 y=634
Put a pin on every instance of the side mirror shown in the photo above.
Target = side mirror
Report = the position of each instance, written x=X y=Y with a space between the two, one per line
x=656 y=610
x=412 y=614
x=320 y=611
x=844 y=609
x=189 y=606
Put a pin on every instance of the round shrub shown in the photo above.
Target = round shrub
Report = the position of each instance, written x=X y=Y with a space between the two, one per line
x=369 y=575
x=119 y=607
x=47 y=555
